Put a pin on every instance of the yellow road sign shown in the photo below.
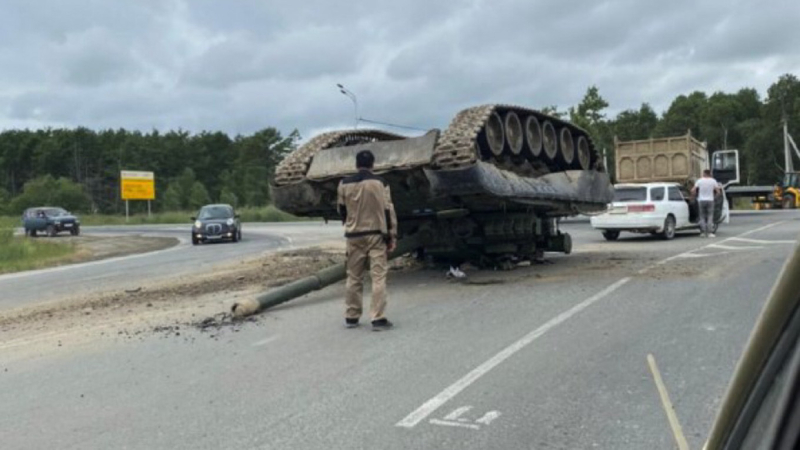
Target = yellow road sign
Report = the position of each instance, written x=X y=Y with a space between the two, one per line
x=137 y=185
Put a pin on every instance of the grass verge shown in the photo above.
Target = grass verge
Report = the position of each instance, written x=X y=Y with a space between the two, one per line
x=19 y=253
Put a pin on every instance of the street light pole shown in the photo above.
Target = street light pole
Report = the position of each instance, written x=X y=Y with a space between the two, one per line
x=352 y=97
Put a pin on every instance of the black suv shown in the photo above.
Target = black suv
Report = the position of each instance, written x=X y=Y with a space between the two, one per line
x=216 y=223
x=49 y=220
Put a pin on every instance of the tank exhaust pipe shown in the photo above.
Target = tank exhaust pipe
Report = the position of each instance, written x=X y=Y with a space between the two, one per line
x=319 y=280
x=584 y=156
x=533 y=137
x=567 y=146
x=550 y=141
x=514 y=135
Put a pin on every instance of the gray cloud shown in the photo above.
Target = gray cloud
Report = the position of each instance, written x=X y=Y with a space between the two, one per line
x=242 y=66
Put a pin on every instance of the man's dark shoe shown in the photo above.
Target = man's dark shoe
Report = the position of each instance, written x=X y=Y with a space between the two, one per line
x=381 y=324
x=350 y=323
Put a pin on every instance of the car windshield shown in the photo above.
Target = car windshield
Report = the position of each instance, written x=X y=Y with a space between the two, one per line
x=630 y=194
x=215 y=212
x=55 y=212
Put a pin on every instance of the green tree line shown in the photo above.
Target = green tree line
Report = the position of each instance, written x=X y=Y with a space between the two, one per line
x=79 y=168
x=739 y=120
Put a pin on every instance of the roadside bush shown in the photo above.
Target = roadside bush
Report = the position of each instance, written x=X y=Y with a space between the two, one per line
x=48 y=191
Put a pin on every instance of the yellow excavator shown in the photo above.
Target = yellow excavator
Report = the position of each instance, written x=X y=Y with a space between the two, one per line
x=783 y=195
x=787 y=194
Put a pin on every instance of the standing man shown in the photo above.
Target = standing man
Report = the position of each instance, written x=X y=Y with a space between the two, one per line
x=705 y=188
x=365 y=205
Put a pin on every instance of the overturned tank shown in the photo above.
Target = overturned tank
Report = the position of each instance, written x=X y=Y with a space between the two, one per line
x=490 y=189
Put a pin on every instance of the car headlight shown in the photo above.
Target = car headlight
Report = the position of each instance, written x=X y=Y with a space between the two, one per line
x=198 y=224
x=229 y=222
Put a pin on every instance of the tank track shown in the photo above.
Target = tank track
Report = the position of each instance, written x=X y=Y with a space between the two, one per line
x=294 y=167
x=457 y=147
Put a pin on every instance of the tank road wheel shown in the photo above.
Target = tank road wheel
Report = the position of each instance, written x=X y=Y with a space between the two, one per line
x=550 y=141
x=611 y=235
x=788 y=202
x=584 y=157
x=514 y=135
x=495 y=138
x=567 y=147
x=533 y=136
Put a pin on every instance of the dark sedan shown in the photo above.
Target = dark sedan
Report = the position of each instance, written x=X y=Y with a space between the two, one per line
x=216 y=223
x=49 y=220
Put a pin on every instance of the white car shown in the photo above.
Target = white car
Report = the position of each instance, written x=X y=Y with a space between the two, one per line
x=655 y=208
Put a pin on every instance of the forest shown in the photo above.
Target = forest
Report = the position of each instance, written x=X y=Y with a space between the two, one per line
x=79 y=168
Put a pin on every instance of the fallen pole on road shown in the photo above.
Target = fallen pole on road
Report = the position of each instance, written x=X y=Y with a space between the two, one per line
x=317 y=281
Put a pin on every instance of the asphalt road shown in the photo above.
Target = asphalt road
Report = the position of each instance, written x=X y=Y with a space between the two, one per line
x=130 y=272
x=541 y=357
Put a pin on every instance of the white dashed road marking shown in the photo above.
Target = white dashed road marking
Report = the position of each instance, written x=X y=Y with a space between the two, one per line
x=265 y=341
x=456 y=419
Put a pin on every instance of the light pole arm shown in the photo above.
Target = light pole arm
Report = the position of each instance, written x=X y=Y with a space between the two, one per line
x=353 y=98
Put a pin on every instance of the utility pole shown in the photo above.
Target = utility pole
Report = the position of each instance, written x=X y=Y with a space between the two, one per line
x=789 y=164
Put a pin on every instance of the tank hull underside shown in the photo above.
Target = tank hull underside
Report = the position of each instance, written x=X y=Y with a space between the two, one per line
x=475 y=205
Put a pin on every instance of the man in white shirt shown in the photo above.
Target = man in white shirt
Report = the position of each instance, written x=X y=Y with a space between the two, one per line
x=705 y=188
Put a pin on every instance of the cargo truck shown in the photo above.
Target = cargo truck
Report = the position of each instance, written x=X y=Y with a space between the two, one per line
x=653 y=190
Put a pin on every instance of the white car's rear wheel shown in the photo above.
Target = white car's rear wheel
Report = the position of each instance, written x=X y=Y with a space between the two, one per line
x=611 y=235
x=669 y=228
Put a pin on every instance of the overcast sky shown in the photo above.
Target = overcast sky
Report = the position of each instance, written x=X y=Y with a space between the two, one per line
x=239 y=66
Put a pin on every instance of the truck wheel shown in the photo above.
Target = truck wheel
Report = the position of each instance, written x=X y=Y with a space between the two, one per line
x=75 y=231
x=788 y=202
x=611 y=235
x=33 y=233
x=51 y=231
x=195 y=241
x=669 y=228
x=235 y=237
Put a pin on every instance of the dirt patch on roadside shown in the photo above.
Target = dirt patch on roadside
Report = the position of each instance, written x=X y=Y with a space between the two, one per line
x=197 y=302
x=92 y=248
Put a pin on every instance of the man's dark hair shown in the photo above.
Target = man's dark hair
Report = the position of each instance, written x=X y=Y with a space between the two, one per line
x=706 y=172
x=365 y=159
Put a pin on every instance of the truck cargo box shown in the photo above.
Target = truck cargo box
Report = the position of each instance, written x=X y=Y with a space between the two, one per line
x=679 y=159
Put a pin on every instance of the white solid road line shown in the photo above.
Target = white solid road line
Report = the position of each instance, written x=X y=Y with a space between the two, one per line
x=759 y=241
x=690 y=253
x=451 y=391
x=728 y=247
